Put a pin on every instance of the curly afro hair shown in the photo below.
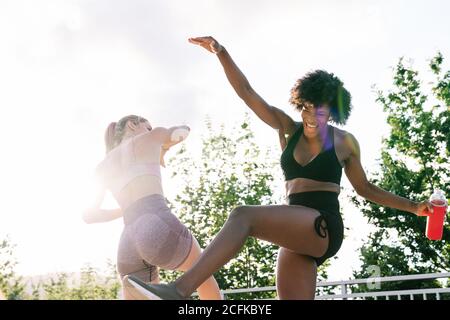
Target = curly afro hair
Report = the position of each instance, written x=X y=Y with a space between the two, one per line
x=320 y=87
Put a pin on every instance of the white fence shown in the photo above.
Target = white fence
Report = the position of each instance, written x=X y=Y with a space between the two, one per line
x=344 y=288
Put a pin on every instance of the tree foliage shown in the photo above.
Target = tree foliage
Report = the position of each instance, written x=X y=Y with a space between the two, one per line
x=414 y=161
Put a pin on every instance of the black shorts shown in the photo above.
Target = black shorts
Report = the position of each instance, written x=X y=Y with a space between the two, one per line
x=327 y=204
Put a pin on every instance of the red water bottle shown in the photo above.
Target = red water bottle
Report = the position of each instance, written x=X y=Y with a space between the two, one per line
x=435 y=220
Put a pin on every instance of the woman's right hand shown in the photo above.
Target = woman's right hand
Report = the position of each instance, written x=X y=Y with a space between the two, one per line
x=209 y=43
x=161 y=157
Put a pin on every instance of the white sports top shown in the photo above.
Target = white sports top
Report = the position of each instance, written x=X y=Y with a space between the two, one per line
x=120 y=167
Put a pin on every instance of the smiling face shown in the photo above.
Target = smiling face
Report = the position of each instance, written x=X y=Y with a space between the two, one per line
x=324 y=92
x=315 y=120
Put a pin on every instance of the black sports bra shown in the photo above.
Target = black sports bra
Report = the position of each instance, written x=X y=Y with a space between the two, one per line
x=324 y=167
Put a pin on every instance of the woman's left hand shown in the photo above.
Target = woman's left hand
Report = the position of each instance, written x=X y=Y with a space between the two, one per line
x=423 y=208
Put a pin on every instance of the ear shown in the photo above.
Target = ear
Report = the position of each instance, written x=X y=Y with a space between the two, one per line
x=131 y=125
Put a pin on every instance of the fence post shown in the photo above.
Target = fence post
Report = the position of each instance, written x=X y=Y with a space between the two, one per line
x=344 y=290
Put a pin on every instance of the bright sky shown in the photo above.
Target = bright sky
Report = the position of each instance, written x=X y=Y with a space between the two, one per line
x=68 y=68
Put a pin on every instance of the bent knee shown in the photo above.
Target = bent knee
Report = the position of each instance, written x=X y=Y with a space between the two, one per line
x=239 y=212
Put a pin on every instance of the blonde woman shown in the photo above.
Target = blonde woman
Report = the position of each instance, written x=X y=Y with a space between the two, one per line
x=152 y=236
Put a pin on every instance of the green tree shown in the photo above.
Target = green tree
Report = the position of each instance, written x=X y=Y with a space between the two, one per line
x=231 y=171
x=90 y=286
x=414 y=161
x=10 y=283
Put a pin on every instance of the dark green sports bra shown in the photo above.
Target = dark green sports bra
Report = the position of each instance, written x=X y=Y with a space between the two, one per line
x=324 y=167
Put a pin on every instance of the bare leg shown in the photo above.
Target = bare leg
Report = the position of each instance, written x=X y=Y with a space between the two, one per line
x=208 y=290
x=296 y=276
x=291 y=227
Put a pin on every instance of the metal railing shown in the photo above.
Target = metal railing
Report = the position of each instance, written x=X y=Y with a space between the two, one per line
x=344 y=288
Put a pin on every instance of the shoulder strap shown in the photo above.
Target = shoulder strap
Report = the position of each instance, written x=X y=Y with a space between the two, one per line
x=294 y=138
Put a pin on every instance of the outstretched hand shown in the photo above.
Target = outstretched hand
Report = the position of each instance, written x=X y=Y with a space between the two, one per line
x=424 y=208
x=209 y=43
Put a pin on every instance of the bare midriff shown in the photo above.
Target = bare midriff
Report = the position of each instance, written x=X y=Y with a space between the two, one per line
x=307 y=185
x=139 y=188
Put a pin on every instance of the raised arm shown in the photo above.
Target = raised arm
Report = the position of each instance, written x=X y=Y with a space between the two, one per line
x=169 y=137
x=272 y=116
x=369 y=191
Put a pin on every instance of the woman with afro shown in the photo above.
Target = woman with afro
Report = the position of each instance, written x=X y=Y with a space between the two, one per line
x=309 y=228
